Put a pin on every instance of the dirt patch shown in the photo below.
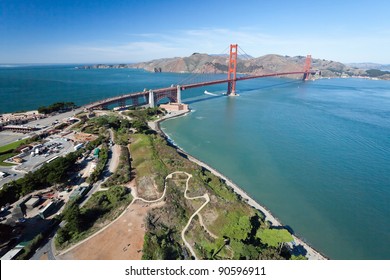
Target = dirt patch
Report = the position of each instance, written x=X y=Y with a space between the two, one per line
x=209 y=216
x=82 y=137
x=122 y=240
x=44 y=257
x=147 y=189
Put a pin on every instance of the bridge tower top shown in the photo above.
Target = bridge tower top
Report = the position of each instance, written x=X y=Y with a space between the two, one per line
x=232 y=71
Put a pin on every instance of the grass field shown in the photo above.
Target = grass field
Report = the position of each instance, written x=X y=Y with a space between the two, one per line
x=146 y=160
x=4 y=157
x=12 y=146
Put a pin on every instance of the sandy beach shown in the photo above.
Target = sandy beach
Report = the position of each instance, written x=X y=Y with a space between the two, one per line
x=311 y=254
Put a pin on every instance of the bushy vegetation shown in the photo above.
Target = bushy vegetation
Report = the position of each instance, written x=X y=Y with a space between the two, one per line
x=274 y=237
x=376 y=73
x=234 y=229
x=123 y=173
x=121 y=127
x=29 y=250
x=145 y=115
x=56 y=107
x=101 y=163
x=102 y=206
x=161 y=245
x=240 y=228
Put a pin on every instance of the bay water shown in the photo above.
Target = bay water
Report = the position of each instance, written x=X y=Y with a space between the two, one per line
x=317 y=154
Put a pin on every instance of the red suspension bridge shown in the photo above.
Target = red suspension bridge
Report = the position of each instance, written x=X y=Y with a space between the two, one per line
x=173 y=93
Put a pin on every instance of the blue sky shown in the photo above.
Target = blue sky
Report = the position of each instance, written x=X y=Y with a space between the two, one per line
x=84 y=31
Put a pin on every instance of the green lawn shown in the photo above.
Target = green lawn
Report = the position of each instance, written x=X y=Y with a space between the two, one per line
x=12 y=146
x=4 y=157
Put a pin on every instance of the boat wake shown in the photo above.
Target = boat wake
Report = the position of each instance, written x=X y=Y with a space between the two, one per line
x=210 y=93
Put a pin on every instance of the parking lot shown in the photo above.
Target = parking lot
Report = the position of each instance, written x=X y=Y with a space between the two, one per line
x=45 y=153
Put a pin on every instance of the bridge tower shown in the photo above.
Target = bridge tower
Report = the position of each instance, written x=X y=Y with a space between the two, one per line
x=178 y=93
x=151 y=99
x=307 y=67
x=232 y=71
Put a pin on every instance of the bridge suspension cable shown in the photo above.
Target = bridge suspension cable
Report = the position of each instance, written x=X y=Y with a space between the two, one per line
x=200 y=79
x=203 y=76
x=243 y=55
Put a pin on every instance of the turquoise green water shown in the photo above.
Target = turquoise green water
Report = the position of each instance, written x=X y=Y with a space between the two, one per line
x=317 y=154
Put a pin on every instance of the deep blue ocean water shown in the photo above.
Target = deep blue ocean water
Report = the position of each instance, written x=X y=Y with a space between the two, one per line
x=317 y=154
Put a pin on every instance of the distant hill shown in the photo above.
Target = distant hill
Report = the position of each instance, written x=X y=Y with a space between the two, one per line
x=369 y=65
x=271 y=63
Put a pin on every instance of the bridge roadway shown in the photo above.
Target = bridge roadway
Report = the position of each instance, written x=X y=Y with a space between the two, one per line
x=173 y=89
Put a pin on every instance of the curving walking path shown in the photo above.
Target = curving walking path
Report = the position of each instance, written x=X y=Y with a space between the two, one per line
x=135 y=198
x=205 y=196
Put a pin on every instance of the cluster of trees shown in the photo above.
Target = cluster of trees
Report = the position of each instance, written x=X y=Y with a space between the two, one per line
x=123 y=173
x=101 y=163
x=29 y=250
x=121 y=126
x=79 y=220
x=113 y=121
x=147 y=114
x=161 y=245
x=142 y=116
x=376 y=73
x=251 y=238
x=57 y=107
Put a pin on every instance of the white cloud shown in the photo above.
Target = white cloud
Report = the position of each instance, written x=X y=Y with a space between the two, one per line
x=148 y=46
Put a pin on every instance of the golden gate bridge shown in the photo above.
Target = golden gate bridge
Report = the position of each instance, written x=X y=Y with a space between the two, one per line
x=173 y=93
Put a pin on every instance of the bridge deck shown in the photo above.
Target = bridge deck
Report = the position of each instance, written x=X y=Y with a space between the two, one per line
x=145 y=94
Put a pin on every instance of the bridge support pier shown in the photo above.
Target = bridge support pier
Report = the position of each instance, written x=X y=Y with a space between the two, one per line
x=178 y=94
x=122 y=103
x=151 y=99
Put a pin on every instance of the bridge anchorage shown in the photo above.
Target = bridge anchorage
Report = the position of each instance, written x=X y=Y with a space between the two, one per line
x=174 y=92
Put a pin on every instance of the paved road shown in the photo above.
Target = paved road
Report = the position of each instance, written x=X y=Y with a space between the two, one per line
x=14 y=174
x=46 y=251
x=106 y=173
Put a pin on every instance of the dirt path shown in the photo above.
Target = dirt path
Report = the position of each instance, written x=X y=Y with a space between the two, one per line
x=205 y=228
x=311 y=254
x=205 y=196
x=123 y=238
